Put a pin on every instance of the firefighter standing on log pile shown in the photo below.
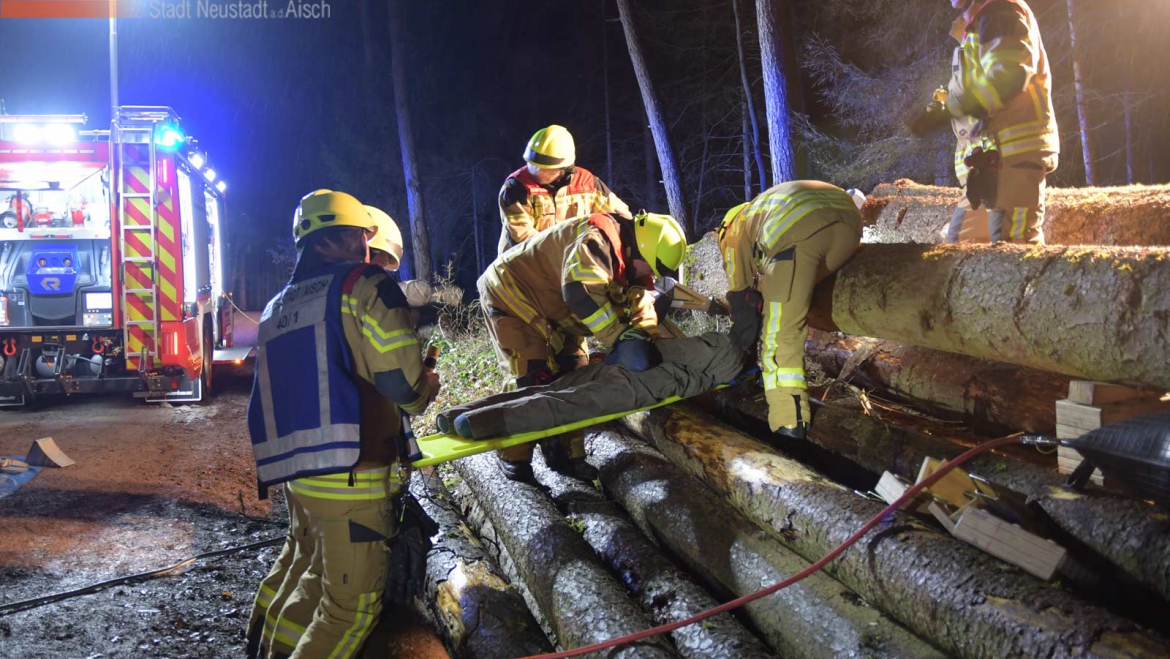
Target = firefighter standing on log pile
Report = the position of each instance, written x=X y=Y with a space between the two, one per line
x=1002 y=88
x=551 y=189
x=590 y=276
x=775 y=249
x=338 y=361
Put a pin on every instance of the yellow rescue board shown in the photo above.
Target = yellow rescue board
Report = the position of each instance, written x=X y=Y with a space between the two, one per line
x=437 y=449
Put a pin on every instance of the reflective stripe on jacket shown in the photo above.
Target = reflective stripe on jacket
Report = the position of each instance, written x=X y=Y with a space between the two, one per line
x=527 y=207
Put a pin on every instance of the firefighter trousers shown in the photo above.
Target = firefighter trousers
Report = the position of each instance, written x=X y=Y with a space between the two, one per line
x=533 y=355
x=786 y=283
x=324 y=594
x=1018 y=215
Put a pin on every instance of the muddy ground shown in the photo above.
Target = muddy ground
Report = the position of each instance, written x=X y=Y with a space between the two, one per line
x=153 y=485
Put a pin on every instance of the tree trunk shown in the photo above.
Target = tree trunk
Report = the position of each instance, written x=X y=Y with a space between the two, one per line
x=663 y=590
x=988 y=396
x=605 y=90
x=906 y=212
x=574 y=593
x=776 y=90
x=1088 y=150
x=1128 y=533
x=666 y=160
x=749 y=105
x=964 y=601
x=652 y=180
x=818 y=618
x=478 y=615
x=419 y=237
x=1093 y=313
x=747 y=154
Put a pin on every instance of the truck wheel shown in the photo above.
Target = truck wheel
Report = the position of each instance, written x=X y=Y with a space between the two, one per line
x=208 y=358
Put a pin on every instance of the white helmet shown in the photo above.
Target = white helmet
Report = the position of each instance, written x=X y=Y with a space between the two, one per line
x=858 y=197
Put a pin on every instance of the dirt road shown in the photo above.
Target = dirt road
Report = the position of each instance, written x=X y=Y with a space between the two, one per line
x=152 y=486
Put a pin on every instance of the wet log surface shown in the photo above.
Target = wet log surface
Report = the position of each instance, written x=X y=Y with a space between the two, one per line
x=1130 y=534
x=1092 y=313
x=667 y=593
x=816 y=618
x=988 y=396
x=904 y=212
x=479 y=615
x=578 y=599
x=962 y=600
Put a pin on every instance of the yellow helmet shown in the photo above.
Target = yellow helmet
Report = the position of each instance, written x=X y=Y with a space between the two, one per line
x=326 y=208
x=551 y=148
x=389 y=237
x=731 y=215
x=661 y=241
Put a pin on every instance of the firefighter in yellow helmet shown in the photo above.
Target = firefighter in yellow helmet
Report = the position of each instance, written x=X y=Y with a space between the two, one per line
x=775 y=249
x=591 y=276
x=551 y=188
x=338 y=361
x=1001 y=87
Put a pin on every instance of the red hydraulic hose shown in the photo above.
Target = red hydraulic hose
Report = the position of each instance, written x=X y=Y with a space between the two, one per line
x=740 y=601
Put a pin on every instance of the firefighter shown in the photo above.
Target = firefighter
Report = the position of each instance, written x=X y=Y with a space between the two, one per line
x=1000 y=94
x=551 y=189
x=386 y=245
x=592 y=276
x=338 y=360
x=775 y=249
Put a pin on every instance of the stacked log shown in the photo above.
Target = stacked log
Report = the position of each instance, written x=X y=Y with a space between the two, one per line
x=949 y=593
x=905 y=212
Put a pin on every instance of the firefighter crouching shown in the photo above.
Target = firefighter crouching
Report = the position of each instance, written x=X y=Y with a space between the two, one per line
x=775 y=249
x=1000 y=88
x=550 y=188
x=589 y=276
x=338 y=359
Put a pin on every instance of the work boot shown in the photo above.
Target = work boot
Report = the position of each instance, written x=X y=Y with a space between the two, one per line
x=463 y=426
x=798 y=432
x=444 y=424
x=520 y=472
x=559 y=461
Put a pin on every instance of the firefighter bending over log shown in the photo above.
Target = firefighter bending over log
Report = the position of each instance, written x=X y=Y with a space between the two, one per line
x=775 y=249
x=591 y=276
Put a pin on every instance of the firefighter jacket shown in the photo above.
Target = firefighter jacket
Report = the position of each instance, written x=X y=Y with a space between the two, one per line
x=572 y=279
x=527 y=207
x=338 y=357
x=1003 y=81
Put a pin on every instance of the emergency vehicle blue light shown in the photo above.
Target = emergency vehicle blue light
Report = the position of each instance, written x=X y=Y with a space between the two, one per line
x=168 y=137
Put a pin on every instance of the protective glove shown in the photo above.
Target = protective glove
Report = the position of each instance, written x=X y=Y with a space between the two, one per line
x=788 y=411
x=746 y=309
x=408 y=557
x=634 y=351
x=664 y=296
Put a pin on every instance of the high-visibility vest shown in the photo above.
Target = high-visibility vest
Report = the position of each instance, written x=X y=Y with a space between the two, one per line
x=304 y=415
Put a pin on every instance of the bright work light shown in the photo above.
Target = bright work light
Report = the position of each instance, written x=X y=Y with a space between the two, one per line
x=210 y=174
x=195 y=159
x=221 y=186
x=27 y=133
x=59 y=134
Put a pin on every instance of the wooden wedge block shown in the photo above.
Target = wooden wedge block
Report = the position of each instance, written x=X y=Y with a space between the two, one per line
x=45 y=453
x=953 y=487
x=1067 y=460
x=1007 y=542
x=891 y=487
x=1092 y=417
x=1087 y=392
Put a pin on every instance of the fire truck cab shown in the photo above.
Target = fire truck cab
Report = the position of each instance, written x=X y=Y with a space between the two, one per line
x=111 y=268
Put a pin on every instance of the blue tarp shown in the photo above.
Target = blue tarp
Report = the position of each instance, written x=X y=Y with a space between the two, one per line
x=9 y=482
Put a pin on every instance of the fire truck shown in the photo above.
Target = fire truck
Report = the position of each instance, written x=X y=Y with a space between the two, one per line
x=111 y=259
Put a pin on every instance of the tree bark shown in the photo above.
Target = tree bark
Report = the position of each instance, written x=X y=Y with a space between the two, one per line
x=651 y=158
x=478 y=614
x=666 y=160
x=664 y=591
x=749 y=106
x=1088 y=150
x=905 y=212
x=1128 y=533
x=988 y=396
x=574 y=593
x=1091 y=313
x=419 y=237
x=817 y=618
x=964 y=601
x=747 y=154
x=776 y=103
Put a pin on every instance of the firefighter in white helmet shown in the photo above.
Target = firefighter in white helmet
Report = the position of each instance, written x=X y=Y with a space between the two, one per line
x=551 y=188
x=775 y=249
x=386 y=245
x=338 y=360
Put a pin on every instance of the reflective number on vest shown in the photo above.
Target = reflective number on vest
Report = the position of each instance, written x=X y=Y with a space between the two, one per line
x=301 y=305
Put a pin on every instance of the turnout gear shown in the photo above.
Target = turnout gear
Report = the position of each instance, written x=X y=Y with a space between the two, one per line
x=326 y=208
x=746 y=309
x=1001 y=98
x=544 y=297
x=338 y=362
x=661 y=242
x=408 y=559
x=519 y=471
x=528 y=207
x=780 y=245
x=551 y=148
x=388 y=238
